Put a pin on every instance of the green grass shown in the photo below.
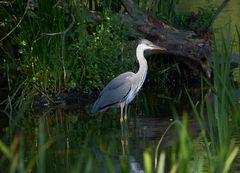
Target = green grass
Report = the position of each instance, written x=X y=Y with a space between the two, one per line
x=61 y=48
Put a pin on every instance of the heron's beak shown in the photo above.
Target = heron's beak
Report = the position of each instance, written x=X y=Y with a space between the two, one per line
x=155 y=47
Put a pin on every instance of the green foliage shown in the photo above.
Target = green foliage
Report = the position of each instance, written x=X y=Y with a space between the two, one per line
x=90 y=53
x=196 y=21
x=102 y=55
x=166 y=9
x=38 y=59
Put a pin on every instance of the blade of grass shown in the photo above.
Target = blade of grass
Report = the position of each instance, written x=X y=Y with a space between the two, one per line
x=161 y=164
x=5 y=150
x=147 y=162
x=229 y=161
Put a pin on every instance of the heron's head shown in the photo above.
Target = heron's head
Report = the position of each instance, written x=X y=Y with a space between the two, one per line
x=148 y=45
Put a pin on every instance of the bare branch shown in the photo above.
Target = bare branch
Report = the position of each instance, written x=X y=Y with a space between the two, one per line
x=207 y=27
x=62 y=33
x=25 y=12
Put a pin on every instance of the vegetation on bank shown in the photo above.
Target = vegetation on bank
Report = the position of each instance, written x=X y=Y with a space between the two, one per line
x=57 y=47
x=54 y=45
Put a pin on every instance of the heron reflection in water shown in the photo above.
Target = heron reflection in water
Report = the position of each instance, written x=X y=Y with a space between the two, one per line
x=121 y=90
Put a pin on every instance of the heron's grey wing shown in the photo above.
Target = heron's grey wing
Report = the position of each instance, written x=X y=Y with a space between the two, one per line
x=118 y=81
x=114 y=92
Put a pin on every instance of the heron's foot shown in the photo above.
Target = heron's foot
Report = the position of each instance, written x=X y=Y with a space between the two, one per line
x=121 y=120
x=126 y=142
x=122 y=142
x=123 y=147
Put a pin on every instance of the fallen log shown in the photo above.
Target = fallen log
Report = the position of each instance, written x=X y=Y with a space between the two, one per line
x=186 y=47
x=182 y=45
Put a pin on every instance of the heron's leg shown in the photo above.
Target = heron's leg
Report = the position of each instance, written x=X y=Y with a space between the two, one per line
x=121 y=106
x=126 y=137
x=122 y=130
x=125 y=114
x=125 y=129
x=122 y=139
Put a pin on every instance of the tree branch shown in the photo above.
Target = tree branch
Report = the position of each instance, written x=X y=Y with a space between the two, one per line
x=62 y=33
x=25 y=12
x=131 y=8
x=206 y=28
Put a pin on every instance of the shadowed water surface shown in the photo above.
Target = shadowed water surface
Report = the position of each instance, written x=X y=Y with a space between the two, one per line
x=77 y=137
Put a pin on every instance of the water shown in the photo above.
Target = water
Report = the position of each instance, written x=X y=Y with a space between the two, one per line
x=74 y=132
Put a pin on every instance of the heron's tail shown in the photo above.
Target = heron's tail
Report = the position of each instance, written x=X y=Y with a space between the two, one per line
x=95 y=107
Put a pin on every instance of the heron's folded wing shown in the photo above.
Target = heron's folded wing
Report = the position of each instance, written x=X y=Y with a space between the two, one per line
x=114 y=93
x=118 y=81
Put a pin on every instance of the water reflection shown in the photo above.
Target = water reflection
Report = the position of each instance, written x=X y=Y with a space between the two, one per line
x=76 y=137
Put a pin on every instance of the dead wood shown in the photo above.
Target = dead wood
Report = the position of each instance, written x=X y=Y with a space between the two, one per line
x=186 y=47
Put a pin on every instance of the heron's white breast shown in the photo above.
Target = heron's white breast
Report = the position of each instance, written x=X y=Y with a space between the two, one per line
x=131 y=96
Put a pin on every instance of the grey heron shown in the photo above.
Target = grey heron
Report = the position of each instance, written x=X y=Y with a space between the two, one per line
x=121 y=90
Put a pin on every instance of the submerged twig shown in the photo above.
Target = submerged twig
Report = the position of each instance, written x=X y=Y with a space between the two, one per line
x=49 y=99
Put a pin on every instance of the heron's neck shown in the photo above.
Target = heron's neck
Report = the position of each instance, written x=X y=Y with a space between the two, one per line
x=143 y=66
